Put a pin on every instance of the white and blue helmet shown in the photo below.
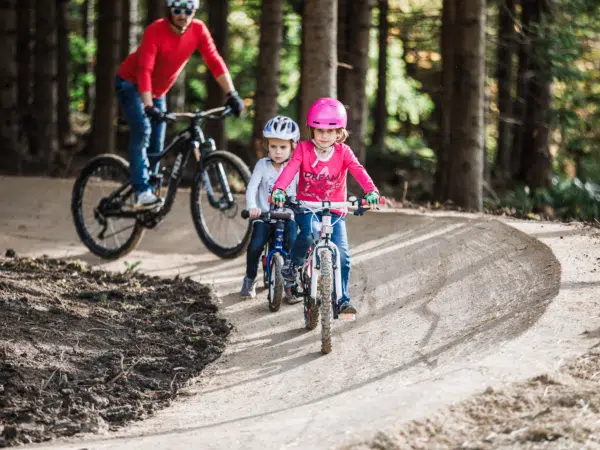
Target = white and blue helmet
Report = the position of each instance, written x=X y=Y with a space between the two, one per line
x=191 y=4
x=282 y=127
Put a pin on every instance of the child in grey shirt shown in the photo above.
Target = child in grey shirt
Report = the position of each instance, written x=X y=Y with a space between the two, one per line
x=281 y=134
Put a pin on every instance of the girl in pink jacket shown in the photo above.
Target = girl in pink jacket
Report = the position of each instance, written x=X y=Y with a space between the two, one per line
x=323 y=164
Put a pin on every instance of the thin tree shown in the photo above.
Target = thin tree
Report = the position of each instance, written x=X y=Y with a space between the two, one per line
x=536 y=159
x=65 y=135
x=45 y=94
x=108 y=59
x=12 y=153
x=353 y=49
x=155 y=10
x=319 y=54
x=89 y=31
x=25 y=34
x=505 y=49
x=465 y=166
x=218 y=11
x=447 y=44
x=267 y=76
x=380 y=125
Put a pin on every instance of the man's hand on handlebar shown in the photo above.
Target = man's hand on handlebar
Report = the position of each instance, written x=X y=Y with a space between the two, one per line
x=254 y=213
x=154 y=113
x=235 y=103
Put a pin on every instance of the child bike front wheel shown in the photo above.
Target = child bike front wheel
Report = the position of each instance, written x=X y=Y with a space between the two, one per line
x=276 y=283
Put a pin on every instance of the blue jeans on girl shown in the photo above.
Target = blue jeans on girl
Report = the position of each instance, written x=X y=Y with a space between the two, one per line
x=145 y=138
x=339 y=237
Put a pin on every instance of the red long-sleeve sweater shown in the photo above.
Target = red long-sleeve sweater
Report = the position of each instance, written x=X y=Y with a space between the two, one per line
x=163 y=54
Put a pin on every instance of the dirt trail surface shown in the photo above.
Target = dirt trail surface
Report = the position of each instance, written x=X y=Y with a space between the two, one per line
x=448 y=305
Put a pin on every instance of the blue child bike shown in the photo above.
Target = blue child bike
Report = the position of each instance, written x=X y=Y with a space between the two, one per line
x=274 y=254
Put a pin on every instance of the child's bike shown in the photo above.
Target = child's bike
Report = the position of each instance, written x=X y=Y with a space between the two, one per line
x=319 y=280
x=103 y=198
x=273 y=256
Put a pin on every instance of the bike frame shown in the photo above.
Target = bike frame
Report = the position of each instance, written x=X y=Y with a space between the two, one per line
x=192 y=139
x=312 y=266
x=274 y=246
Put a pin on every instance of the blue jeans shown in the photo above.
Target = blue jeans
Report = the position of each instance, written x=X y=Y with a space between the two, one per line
x=339 y=237
x=261 y=232
x=145 y=136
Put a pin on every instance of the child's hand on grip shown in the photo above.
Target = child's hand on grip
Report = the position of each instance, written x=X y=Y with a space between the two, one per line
x=278 y=198
x=254 y=213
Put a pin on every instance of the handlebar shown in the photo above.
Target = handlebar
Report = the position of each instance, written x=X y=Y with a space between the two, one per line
x=354 y=203
x=200 y=115
x=277 y=215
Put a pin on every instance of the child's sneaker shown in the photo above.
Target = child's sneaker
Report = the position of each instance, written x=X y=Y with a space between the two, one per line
x=347 y=308
x=147 y=200
x=290 y=298
x=248 y=288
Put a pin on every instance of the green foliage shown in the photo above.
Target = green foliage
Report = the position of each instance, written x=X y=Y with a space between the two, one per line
x=81 y=52
x=570 y=199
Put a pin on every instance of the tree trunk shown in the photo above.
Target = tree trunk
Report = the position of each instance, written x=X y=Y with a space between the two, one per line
x=45 y=102
x=378 y=139
x=65 y=135
x=218 y=11
x=130 y=27
x=89 y=30
x=108 y=59
x=12 y=153
x=155 y=10
x=504 y=74
x=353 y=45
x=536 y=160
x=447 y=44
x=25 y=33
x=267 y=77
x=522 y=88
x=319 y=54
x=465 y=176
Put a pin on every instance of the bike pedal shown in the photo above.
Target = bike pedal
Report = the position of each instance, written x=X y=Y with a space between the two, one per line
x=347 y=317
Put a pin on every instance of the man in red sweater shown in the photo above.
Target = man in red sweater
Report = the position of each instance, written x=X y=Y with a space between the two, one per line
x=148 y=73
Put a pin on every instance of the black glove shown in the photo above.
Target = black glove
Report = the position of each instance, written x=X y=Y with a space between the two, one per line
x=235 y=103
x=154 y=113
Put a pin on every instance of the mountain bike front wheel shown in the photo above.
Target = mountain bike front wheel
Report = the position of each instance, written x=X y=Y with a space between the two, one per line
x=218 y=194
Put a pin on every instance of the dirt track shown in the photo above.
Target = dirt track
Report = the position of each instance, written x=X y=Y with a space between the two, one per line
x=448 y=306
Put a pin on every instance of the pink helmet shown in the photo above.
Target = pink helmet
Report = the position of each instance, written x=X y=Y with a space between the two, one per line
x=327 y=113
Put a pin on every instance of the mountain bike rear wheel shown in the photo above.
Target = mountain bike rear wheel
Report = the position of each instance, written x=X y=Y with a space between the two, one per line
x=102 y=187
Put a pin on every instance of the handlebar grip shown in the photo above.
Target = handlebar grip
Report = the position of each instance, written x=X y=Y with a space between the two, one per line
x=245 y=214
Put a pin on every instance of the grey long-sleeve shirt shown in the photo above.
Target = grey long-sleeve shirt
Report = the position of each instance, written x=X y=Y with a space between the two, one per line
x=261 y=184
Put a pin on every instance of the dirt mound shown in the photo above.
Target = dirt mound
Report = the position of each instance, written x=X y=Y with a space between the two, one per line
x=558 y=411
x=87 y=351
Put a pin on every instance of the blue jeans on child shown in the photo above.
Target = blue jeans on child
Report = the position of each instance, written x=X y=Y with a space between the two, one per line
x=261 y=232
x=145 y=136
x=339 y=237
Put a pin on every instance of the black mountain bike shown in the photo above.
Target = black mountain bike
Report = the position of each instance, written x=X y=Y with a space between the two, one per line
x=103 y=198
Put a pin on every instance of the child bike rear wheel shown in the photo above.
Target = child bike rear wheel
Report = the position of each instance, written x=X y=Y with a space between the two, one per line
x=276 y=283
